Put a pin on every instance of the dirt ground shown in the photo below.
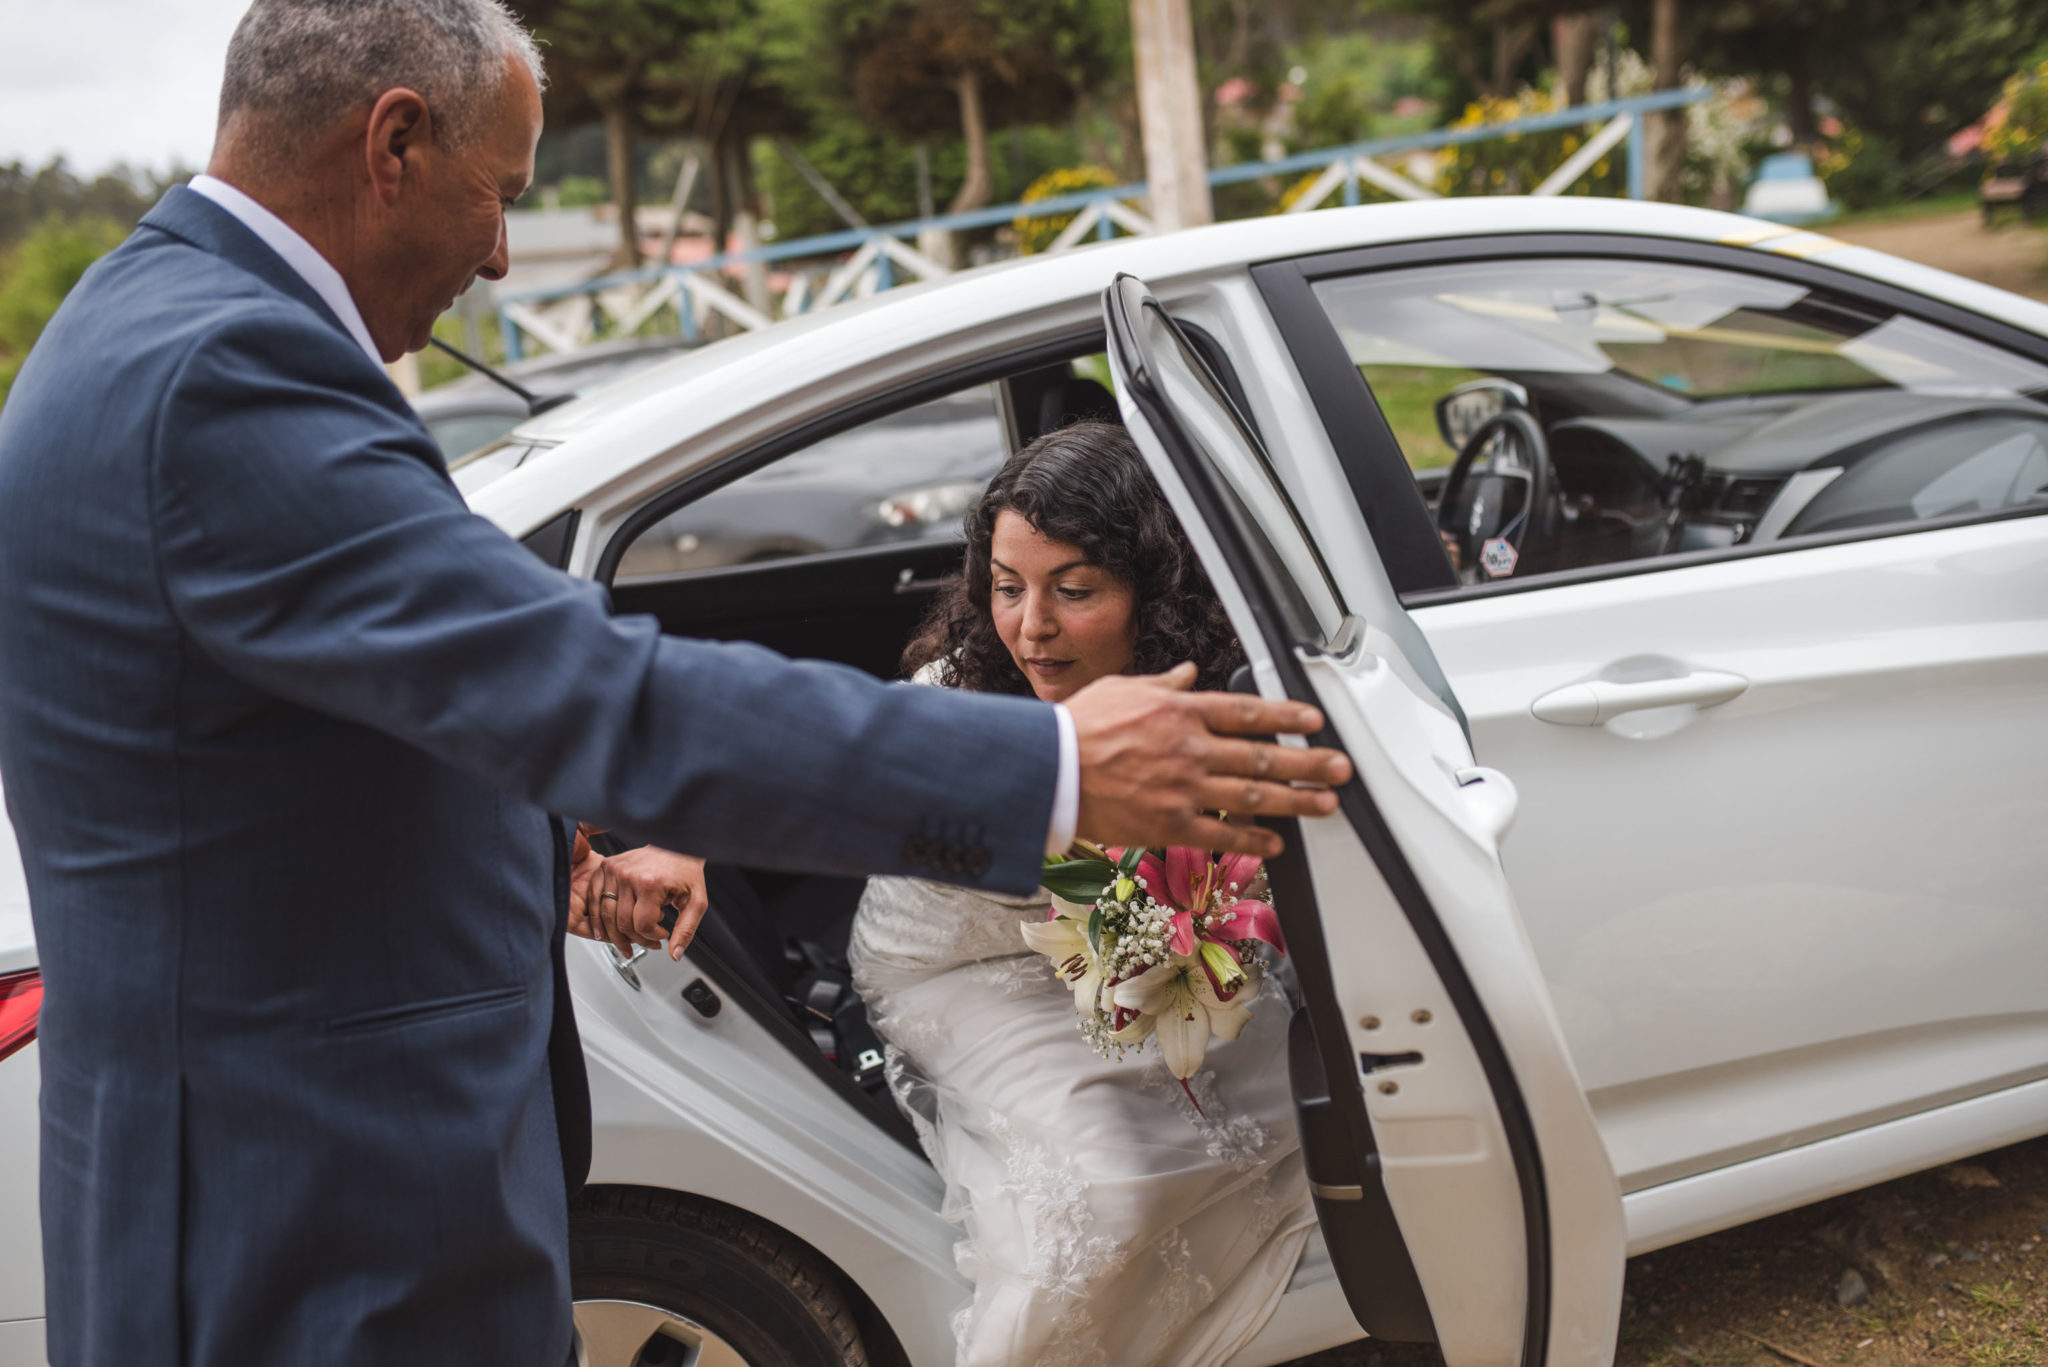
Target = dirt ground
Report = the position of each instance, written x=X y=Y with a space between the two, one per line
x=1944 y=1267
x=2011 y=255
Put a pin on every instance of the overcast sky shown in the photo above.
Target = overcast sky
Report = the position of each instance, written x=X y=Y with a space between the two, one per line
x=106 y=81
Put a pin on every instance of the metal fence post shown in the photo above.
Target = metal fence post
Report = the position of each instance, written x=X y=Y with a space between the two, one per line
x=885 y=272
x=1635 y=154
x=1350 y=181
x=1104 y=229
x=508 y=331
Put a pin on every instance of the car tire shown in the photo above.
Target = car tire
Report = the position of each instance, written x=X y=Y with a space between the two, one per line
x=646 y=1265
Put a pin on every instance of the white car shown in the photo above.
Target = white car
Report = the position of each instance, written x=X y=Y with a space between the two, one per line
x=1733 y=600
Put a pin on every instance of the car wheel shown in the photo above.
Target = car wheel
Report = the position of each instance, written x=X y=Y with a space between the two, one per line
x=661 y=1279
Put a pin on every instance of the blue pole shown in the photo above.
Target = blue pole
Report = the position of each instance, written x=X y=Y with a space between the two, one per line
x=885 y=272
x=509 y=330
x=1350 y=181
x=1635 y=155
x=1104 y=228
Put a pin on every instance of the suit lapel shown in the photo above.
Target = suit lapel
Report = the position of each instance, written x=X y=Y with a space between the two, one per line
x=193 y=218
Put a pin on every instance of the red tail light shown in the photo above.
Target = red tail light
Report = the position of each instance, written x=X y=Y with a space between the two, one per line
x=21 y=1001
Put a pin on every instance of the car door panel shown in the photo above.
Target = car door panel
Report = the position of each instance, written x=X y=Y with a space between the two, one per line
x=1439 y=1055
x=857 y=607
x=1748 y=947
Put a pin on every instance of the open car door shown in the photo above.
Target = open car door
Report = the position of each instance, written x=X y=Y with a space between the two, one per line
x=1461 y=1184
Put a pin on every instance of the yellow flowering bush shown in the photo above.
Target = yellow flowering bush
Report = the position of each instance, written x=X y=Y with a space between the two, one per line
x=1036 y=234
x=2018 y=124
x=1518 y=163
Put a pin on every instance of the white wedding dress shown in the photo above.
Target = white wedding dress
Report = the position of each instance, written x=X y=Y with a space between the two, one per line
x=1109 y=1222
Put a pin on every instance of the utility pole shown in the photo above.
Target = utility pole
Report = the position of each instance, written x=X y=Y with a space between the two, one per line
x=1170 y=112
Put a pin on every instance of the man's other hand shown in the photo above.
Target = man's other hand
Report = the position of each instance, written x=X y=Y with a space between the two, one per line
x=1156 y=760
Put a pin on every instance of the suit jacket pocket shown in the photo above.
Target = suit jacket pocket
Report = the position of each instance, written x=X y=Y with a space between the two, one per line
x=435 y=1008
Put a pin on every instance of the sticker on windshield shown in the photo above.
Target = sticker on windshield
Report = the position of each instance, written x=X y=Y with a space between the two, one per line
x=1498 y=557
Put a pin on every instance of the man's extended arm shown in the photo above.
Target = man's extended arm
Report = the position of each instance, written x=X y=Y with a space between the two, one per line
x=313 y=548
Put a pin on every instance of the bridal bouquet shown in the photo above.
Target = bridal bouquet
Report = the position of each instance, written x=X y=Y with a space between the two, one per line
x=1157 y=942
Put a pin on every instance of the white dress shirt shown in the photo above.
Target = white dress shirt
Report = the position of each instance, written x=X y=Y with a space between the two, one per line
x=326 y=281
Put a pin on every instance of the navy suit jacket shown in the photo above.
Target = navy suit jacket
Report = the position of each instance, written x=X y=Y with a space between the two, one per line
x=281 y=726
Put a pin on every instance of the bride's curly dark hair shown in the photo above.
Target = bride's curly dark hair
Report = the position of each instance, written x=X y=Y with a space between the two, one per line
x=1085 y=486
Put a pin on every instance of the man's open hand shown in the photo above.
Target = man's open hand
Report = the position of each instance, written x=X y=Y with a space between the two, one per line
x=1156 y=759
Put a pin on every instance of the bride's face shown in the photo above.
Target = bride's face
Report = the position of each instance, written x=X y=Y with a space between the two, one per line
x=1065 y=622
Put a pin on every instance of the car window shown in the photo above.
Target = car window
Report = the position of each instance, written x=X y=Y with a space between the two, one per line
x=910 y=476
x=461 y=433
x=1675 y=408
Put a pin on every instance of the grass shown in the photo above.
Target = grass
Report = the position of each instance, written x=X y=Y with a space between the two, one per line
x=2002 y=1300
x=2002 y=1353
x=1407 y=394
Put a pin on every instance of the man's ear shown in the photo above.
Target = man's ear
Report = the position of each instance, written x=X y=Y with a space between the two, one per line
x=401 y=127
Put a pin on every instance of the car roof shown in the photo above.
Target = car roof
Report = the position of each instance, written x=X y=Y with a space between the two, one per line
x=733 y=381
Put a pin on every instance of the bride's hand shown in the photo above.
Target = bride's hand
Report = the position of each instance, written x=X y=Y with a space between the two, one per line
x=619 y=898
x=1156 y=759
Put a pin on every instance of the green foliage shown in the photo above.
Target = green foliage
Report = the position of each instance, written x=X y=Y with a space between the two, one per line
x=1518 y=163
x=1077 y=880
x=2018 y=128
x=28 y=198
x=1861 y=169
x=875 y=172
x=1908 y=71
x=900 y=62
x=1354 y=81
x=577 y=192
x=37 y=274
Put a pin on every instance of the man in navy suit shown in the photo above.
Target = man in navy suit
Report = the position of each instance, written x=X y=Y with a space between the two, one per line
x=282 y=723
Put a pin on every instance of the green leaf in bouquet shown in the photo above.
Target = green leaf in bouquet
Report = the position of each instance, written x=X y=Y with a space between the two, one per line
x=1095 y=931
x=1077 y=880
x=1128 y=865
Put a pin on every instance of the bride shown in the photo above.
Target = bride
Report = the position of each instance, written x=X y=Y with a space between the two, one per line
x=1110 y=1217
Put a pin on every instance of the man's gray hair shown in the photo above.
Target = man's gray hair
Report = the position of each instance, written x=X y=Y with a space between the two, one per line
x=302 y=65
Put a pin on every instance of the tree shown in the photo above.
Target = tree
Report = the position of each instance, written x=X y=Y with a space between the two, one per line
x=694 y=68
x=1907 y=72
x=35 y=277
x=929 y=68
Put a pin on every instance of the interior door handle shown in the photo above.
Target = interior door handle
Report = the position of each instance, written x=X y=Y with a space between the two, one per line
x=1598 y=700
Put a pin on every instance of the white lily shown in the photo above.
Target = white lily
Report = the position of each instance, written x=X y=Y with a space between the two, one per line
x=1179 y=997
x=1065 y=941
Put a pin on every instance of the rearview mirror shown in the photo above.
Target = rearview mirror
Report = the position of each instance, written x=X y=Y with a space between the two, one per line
x=1472 y=405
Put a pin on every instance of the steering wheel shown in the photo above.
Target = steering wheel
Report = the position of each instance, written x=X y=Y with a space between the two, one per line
x=1498 y=487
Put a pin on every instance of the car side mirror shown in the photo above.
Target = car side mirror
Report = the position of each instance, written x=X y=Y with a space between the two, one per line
x=1472 y=405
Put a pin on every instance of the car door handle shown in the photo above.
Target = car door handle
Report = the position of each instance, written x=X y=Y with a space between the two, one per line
x=1598 y=700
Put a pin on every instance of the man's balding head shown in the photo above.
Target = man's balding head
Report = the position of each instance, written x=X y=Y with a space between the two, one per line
x=393 y=135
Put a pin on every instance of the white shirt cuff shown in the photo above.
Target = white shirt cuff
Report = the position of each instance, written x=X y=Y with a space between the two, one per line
x=1066 y=794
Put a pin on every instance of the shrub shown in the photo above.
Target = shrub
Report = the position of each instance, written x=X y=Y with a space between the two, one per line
x=37 y=275
x=1517 y=163
x=2018 y=124
x=1036 y=234
x=1861 y=169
